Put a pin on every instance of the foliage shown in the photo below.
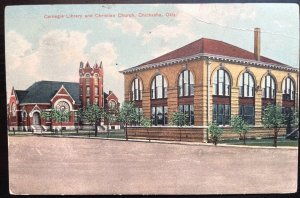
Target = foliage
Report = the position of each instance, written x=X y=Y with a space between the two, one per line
x=215 y=132
x=127 y=115
x=179 y=119
x=93 y=114
x=145 y=122
x=295 y=119
x=57 y=115
x=240 y=127
x=273 y=118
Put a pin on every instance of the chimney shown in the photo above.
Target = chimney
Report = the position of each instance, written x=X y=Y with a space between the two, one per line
x=257 y=43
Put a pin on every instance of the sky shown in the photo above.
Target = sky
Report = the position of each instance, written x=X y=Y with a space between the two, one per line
x=47 y=42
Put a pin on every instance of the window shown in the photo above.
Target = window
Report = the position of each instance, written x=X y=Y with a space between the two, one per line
x=112 y=104
x=288 y=88
x=96 y=91
x=87 y=79
x=159 y=115
x=87 y=91
x=221 y=83
x=159 y=87
x=13 y=109
x=96 y=79
x=62 y=106
x=189 y=111
x=247 y=113
x=87 y=101
x=96 y=101
x=221 y=114
x=136 y=89
x=246 y=84
x=268 y=87
x=185 y=84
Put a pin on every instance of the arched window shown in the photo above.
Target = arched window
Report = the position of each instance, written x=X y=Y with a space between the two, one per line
x=136 y=89
x=159 y=87
x=112 y=104
x=186 y=84
x=221 y=83
x=13 y=109
x=62 y=106
x=87 y=79
x=246 y=84
x=88 y=91
x=288 y=89
x=268 y=87
x=96 y=79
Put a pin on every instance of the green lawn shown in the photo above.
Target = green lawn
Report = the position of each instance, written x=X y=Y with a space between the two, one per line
x=262 y=142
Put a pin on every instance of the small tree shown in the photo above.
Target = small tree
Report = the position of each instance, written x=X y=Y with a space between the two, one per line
x=110 y=117
x=179 y=119
x=273 y=118
x=127 y=115
x=240 y=127
x=47 y=115
x=147 y=123
x=93 y=114
x=58 y=115
x=79 y=118
x=215 y=132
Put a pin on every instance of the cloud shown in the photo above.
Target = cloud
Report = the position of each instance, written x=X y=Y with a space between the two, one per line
x=167 y=32
x=127 y=25
x=57 y=57
x=221 y=14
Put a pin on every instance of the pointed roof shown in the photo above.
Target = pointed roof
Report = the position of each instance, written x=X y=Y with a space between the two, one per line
x=43 y=91
x=207 y=46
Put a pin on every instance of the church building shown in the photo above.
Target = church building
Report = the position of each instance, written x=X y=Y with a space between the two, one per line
x=25 y=106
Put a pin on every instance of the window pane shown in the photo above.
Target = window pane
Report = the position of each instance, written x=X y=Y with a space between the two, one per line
x=220 y=89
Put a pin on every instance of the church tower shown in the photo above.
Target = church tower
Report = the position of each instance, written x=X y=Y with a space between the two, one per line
x=91 y=84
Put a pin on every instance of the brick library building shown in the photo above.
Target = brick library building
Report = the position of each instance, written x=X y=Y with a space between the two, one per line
x=25 y=106
x=211 y=80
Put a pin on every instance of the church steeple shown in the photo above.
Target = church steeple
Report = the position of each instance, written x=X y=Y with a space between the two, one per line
x=91 y=85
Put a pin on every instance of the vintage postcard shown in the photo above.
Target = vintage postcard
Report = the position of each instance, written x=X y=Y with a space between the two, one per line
x=152 y=98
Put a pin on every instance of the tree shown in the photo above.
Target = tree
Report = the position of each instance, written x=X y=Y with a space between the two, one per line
x=93 y=114
x=127 y=115
x=147 y=123
x=240 y=127
x=215 y=132
x=179 y=119
x=58 y=115
x=47 y=115
x=273 y=118
x=79 y=118
x=110 y=117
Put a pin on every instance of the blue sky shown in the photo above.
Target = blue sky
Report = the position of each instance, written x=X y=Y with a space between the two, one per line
x=42 y=48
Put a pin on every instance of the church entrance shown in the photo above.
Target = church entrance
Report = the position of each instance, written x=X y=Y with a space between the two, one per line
x=36 y=118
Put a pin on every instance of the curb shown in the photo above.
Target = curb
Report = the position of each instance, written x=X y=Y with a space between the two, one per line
x=169 y=142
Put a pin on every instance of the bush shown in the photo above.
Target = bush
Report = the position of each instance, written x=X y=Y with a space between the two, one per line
x=215 y=132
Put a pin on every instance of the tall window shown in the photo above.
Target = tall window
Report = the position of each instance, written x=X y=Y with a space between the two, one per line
x=87 y=101
x=221 y=114
x=136 y=89
x=186 y=84
x=13 y=109
x=221 y=83
x=88 y=91
x=288 y=88
x=96 y=101
x=96 y=91
x=246 y=84
x=189 y=111
x=96 y=79
x=247 y=113
x=159 y=87
x=112 y=104
x=87 y=79
x=159 y=115
x=268 y=87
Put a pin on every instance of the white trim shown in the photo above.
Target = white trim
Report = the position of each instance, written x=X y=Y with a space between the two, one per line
x=57 y=94
x=36 y=108
x=210 y=56
x=23 y=104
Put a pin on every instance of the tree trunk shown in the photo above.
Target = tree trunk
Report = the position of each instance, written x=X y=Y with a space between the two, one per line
x=126 y=131
x=244 y=138
x=275 y=137
x=60 y=128
x=96 y=129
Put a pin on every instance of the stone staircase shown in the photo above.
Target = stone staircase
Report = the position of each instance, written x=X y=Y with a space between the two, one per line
x=37 y=128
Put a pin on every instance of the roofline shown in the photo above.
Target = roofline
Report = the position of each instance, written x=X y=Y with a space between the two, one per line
x=212 y=57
